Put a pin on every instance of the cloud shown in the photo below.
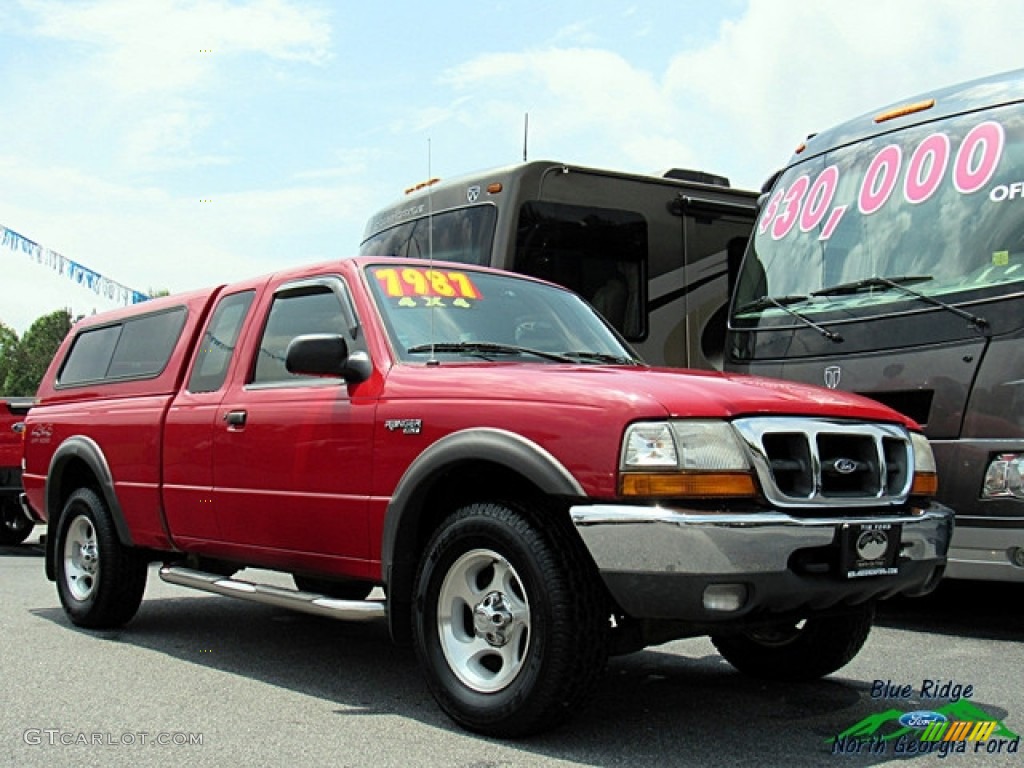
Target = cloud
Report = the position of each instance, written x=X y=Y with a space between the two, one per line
x=739 y=102
x=172 y=45
x=147 y=80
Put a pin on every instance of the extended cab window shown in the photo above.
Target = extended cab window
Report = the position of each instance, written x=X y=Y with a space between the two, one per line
x=219 y=342
x=297 y=311
x=138 y=347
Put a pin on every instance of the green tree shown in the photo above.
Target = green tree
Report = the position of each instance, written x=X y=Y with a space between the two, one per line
x=34 y=352
x=8 y=351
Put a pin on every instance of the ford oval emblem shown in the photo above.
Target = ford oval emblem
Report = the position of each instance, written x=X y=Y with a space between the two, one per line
x=845 y=466
x=921 y=718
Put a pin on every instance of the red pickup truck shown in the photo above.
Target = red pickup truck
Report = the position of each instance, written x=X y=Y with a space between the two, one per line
x=484 y=448
x=15 y=526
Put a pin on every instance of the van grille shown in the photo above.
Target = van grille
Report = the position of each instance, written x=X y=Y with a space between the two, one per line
x=815 y=462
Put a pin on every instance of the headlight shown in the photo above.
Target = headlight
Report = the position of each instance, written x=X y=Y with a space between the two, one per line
x=700 y=459
x=926 y=479
x=1004 y=478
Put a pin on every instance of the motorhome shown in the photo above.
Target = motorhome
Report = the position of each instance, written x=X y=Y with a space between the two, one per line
x=888 y=260
x=651 y=253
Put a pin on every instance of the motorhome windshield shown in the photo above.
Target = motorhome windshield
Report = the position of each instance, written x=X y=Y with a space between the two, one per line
x=463 y=235
x=933 y=213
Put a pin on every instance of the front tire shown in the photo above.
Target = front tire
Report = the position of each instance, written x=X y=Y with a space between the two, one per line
x=100 y=581
x=510 y=621
x=795 y=651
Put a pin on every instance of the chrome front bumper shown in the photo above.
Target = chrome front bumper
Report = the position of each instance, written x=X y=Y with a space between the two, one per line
x=658 y=563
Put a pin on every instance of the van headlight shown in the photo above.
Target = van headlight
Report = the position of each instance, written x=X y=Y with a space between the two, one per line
x=680 y=459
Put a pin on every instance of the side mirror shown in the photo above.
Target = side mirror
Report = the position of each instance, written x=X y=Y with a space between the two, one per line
x=326 y=354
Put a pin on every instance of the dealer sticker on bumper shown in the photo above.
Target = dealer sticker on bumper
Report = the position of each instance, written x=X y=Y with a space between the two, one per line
x=869 y=549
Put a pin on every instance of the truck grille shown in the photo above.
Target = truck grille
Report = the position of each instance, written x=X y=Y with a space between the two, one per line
x=816 y=462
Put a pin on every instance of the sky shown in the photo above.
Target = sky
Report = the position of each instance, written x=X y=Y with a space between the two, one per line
x=170 y=145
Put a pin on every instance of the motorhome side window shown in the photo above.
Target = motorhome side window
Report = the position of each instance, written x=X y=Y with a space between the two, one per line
x=297 y=312
x=598 y=252
x=138 y=347
x=464 y=235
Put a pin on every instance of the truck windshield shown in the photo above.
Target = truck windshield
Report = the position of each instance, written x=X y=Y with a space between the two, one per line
x=938 y=208
x=435 y=312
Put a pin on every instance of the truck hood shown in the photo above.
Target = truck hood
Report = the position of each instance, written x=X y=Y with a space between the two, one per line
x=635 y=392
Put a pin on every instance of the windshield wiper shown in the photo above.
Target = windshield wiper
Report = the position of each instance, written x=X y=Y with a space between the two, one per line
x=486 y=348
x=856 y=286
x=898 y=283
x=781 y=302
x=602 y=357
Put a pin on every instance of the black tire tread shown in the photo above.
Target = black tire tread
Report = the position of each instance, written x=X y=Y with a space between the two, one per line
x=578 y=634
x=122 y=579
x=825 y=644
x=14 y=526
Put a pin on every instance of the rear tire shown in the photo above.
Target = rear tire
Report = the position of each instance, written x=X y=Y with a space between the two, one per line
x=100 y=581
x=795 y=651
x=510 y=622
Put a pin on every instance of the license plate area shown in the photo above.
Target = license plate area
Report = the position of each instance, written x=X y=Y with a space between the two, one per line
x=869 y=549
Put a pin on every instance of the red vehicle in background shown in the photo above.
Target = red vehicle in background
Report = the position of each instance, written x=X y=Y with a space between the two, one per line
x=15 y=525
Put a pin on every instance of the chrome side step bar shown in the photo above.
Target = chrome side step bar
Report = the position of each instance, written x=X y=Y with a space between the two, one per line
x=307 y=602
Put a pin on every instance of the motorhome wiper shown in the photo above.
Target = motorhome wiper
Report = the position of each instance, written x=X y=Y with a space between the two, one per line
x=898 y=283
x=485 y=348
x=780 y=302
x=856 y=286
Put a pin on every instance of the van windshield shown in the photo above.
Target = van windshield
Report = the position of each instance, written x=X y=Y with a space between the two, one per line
x=937 y=209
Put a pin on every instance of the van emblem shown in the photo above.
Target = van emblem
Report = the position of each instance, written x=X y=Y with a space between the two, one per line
x=473 y=193
x=832 y=375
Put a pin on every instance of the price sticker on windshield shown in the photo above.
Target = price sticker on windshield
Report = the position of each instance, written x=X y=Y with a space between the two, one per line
x=892 y=174
x=416 y=282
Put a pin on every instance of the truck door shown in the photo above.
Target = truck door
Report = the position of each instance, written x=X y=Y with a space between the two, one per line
x=291 y=454
x=192 y=420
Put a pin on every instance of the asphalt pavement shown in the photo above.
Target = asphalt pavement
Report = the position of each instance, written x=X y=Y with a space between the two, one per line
x=202 y=680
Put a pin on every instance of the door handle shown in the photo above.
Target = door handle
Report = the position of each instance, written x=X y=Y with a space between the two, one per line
x=235 y=418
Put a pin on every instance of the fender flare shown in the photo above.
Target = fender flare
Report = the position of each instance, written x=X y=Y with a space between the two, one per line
x=88 y=451
x=399 y=552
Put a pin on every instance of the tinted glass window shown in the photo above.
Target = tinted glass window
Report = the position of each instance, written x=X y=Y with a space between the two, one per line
x=296 y=312
x=219 y=343
x=146 y=343
x=597 y=252
x=138 y=347
x=463 y=235
x=90 y=356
